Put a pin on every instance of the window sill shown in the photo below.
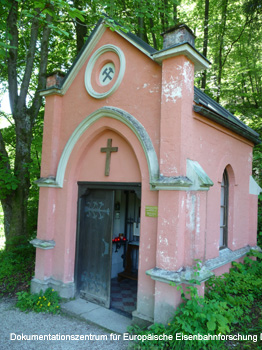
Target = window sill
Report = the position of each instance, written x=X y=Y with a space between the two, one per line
x=226 y=256
x=187 y=274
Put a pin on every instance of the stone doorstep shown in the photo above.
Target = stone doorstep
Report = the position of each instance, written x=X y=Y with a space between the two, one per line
x=96 y=314
x=91 y=312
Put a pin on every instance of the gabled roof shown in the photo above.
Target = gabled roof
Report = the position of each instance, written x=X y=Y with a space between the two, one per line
x=132 y=38
x=157 y=56
x=210 y=109
x=205 y=105
x=88 y=47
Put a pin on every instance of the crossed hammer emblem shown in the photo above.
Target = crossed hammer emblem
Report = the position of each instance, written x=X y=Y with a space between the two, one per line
x=107 y=73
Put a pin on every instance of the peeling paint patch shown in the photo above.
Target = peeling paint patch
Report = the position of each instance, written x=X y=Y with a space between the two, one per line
x=168 y=261
x=172 y=89
x=188 y=74
x=152 y=88
x=166 y=161
x=198 y=216
x=53 y=208
x=165 y=222
x=166 y=241
x=191 y=208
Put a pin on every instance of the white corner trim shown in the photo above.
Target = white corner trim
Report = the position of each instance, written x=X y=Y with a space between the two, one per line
x=135 y=44
x=169 y=183
x=75 y=68
x=52 y=91
x=227 y=256
x=43 y=244
x=200 y=180
x=89 y=70
x=122 y=116
x=199 y=62
x=188 y=273
x=254 y=188
x=47 y=182
x=65 y=290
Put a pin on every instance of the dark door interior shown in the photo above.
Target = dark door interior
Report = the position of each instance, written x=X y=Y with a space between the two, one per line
x=105 y=212
x=94 y=245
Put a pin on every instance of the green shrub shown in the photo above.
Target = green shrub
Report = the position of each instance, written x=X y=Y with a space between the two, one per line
x=259 y=221
x=16 y=269
x=195 y=316
x=231 y=305
x=47 y=301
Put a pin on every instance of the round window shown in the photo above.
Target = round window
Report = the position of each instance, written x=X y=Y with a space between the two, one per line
x=105 y=71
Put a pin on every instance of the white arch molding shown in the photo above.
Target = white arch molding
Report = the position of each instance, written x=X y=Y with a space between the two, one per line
x=123 y=117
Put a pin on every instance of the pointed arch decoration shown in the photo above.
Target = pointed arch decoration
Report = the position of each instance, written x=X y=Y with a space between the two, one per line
x=124 y=117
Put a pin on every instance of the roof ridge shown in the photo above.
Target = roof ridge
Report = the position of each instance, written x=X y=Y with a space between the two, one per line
x=223 y=115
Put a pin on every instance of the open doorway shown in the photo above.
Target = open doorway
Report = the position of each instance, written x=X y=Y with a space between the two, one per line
x=125 y=252
x=107 y=247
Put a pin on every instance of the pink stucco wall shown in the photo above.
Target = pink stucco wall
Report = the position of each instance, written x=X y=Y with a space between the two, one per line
x=187 y=227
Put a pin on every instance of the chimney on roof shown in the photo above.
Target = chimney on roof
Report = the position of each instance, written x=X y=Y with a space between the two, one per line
x=178 y=34
x=55 y=79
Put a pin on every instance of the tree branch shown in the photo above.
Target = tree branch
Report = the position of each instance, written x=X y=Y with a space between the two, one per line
x=12 y=57
x=37 y=101
x=29 y=62
x=3 y=151
x=5 y=164
x=236 y=40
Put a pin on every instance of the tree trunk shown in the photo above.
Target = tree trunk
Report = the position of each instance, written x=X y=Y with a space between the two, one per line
x=175 y=14
x=205 y=42
x=141 y=29
x=14 y=197
x=15 y=204
x=81 y=28
x=221 y=48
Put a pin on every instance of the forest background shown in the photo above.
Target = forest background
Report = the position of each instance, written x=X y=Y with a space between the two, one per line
x=38 y=37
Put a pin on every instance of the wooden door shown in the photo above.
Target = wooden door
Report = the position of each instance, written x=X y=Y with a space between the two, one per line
x=94 y=246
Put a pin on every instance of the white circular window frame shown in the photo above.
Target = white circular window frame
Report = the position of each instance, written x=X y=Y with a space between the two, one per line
x=90 y=66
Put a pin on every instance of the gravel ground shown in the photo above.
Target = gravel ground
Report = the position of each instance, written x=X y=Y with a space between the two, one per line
x=15 y=324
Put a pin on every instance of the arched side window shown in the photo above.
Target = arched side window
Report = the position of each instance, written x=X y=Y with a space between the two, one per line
x=224 y=212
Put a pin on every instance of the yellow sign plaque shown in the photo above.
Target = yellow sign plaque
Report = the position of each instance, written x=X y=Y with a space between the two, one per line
x=151 y=211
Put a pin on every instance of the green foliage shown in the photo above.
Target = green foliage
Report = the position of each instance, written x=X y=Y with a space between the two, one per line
x=8 y=181
x=47 y=301
x=34 y=169
x=16 y=269
x=206 y=315
x=240 y=287
x=231 y=305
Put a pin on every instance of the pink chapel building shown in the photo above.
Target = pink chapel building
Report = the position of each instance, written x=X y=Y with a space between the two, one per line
x=142 y=174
